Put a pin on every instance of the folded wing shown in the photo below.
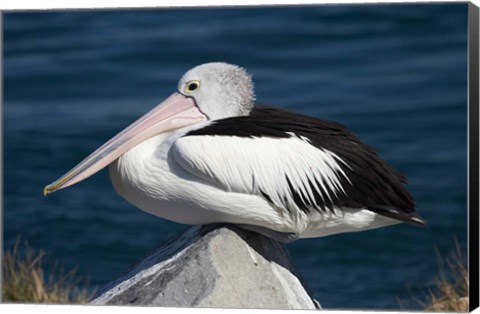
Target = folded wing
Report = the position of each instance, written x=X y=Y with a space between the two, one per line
x=295 y=162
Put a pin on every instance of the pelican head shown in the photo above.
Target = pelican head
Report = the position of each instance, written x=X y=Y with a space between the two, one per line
x=207 y=92
x=220 y=90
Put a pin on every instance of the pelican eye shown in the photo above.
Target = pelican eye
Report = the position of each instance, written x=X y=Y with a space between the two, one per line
x=192 y=86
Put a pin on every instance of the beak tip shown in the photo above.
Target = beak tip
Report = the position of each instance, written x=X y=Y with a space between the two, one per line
x=46 y=190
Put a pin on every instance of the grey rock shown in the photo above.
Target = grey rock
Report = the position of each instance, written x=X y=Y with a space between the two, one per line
x=217 y=266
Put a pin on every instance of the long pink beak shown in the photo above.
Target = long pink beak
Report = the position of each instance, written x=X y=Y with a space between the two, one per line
x=174 y=112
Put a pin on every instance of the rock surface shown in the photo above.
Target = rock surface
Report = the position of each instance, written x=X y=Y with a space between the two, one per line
x=219 y=266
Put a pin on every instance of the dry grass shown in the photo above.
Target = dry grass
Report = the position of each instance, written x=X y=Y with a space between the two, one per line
x=24 y=280
x=450 y=292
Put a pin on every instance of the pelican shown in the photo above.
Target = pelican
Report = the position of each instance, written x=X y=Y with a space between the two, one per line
x=206 y=154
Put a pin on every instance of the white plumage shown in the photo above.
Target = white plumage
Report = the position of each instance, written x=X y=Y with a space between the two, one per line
x=261 y=165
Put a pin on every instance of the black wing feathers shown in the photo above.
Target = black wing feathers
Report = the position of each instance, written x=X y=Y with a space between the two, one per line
x=375 y=184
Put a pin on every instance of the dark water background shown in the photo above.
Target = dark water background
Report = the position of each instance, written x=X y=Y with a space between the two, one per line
x=394 y=74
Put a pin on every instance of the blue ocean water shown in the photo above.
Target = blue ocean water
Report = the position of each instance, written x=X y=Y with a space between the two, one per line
x=394 y=74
